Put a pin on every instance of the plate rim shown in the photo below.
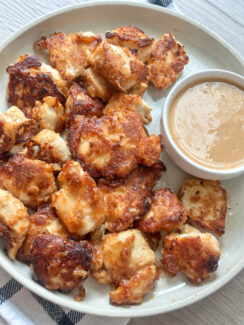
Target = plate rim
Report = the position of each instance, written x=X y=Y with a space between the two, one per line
x=50 y=296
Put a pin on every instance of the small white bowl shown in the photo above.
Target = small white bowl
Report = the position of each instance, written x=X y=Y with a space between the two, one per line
x=174 y=152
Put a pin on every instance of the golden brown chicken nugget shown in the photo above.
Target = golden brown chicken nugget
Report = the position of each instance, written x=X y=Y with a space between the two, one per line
x=30 y=181
x=31 y=80
x=205 y=203
x=68 y=53
x=113 y=145
x=119 y=66
x=79 y=203
x=59 y=264
x=133 y=38
x=44 y=221
x=49 y=147
x=192 y=252
x=79 y=102
x=15 y=128
x=128 y=102
x=166 y=62
x=165 y=214
x=125 y=260
x=129 y=198
x=49 y=114
x=97 y=86
x=14 y=221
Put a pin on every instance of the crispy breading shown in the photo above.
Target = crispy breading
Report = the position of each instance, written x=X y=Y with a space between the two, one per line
x=113 y=145
x=44 y=221
x=205 y=203
x=69 y=53
x=119 y=66
x=79 y=203
x=49 y=147
x=79 y=102
x=14 y=221
x=49 y=114
x=97 y=86
x=165 y=214
x=30 y=181
x=193 y=252
x=88 y=42
x=129 y=198
x=166 y=62
x=59 y=264
x=133 y=38
x=125 y=260
x=15 y=128
x=121 y=102
x=31 y=80
x=133 y=290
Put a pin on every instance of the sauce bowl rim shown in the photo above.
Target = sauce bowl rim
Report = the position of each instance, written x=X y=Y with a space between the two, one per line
x=228 y=76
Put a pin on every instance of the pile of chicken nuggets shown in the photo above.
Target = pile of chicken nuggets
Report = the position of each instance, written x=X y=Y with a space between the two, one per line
x=92 y=207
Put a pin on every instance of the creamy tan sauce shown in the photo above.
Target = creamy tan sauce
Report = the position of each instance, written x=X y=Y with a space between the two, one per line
x=206 y=122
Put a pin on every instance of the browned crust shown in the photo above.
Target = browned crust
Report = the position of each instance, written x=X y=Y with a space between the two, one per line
x=130 y=33
x=6 y=141
x=26 y=131
x=166 y=62
x=54 y=261
x=106 y=63
x=33 y=87
x=166 y=213
x=209 y=207
x=38 y=225
x=67 y=51
x=79 y=102
x=6 y=233
x=19 y=173
x=122 y=159
x=191 y=256
x=132 y=291
x=129 y=198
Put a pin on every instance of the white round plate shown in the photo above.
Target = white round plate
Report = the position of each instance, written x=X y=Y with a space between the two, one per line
x=205 y=50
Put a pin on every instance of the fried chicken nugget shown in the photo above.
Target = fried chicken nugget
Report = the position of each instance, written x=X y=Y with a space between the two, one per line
x=31 y=80
x=30 y=181
x=49 y=147
x=14 y=221
x=125 y=260
x=59 y=264
x=166 y=62
x=97 y=86
x=205 y=203
x=128 y=102
x=15 y=128
x=129 y=198
x=133 y=38
x=165 y=214
x=79 y=102
x=113 y=145
x=44 y=221
x=79 y=203
x=49 y=114
x=119 y=66
x=69 y=53
x=193 y=252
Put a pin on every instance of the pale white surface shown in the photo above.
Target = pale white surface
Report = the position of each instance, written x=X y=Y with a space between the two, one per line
x=20 y=15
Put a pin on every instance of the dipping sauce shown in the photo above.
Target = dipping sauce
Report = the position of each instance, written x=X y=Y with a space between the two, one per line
x=206 y=121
